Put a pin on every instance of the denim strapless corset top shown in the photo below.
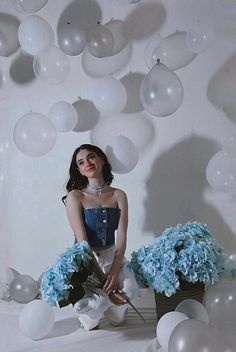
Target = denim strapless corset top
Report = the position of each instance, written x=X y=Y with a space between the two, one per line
x=100 y=225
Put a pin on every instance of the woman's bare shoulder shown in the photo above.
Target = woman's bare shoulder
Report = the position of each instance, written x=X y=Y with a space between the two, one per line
x=75 y=195
x=119 y=193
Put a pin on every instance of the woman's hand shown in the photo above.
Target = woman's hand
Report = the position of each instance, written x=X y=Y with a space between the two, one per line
x=117 y=298
x=111 y=283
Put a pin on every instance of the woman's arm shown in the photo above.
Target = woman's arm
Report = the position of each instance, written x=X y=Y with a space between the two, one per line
x=112 y=283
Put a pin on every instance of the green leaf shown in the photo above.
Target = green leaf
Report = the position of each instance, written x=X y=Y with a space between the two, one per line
x=78 y=278
x=64 y=303
x=76 y=294
x=90 y=267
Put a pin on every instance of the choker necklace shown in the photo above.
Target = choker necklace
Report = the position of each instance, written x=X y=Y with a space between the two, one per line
x=97 y=189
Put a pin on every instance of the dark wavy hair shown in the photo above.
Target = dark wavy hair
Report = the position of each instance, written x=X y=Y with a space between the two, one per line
x=76 y=179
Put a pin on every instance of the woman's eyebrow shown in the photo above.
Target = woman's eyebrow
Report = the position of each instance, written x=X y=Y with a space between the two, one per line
x=89 y=154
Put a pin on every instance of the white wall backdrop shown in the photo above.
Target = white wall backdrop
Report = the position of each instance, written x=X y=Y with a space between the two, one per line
x=168 y=185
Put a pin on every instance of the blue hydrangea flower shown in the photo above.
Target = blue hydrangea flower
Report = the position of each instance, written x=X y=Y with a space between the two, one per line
x=55 y=285
x=186 y=251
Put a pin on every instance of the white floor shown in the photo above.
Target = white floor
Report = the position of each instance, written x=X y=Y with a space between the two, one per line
x=67 y=336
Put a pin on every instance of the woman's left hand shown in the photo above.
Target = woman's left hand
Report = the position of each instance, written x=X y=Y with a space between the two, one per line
x=111 y=283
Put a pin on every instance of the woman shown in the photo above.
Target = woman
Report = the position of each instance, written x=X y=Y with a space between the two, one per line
x=95 y=211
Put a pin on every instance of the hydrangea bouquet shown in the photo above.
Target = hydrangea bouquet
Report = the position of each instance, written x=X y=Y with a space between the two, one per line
x=185 y=252
x=70 y=278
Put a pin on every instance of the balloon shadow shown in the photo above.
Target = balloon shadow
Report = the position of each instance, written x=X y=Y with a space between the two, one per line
x=221 y=88
x=144 y=21
x=88 y=115
x=21 y=70
x=9 y=27
x=175 y=190
x=63 y=327
x=85 y=13
x=132 y=83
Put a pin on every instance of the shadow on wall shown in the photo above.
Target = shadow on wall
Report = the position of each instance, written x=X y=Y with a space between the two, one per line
x=85 y=13
x=21 y=70
x=222 y=86
x=141 y=23
x=175 y=191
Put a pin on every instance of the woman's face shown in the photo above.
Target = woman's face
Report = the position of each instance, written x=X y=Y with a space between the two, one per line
x=89 y=163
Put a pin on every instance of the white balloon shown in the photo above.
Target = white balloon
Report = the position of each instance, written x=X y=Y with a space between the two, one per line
x=220 y=172
x=63 y=116
x=34 y=134
x=220 y=302
x=36 y=319
x=71 y=39
x=99 y=67
x=108 y=95
x=193 y=309
x=173 y=52
x=166 y=325
x=117 y=29
x=200 y=37
x=30 y=6
x=122 y=155
x=100 y=41
x=51 y=65
x=161 y=91
x=34 y=34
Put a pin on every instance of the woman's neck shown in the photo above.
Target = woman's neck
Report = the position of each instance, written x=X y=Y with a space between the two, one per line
x=96 y=184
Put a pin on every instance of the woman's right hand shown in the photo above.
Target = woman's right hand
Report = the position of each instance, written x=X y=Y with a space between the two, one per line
x=117 y=298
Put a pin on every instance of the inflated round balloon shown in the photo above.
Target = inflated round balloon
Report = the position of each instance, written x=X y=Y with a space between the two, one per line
x=63 y=116
x=200 y=37
x=193 y=309
x=31 y=6
x=108 y=95
x=117 y=28
x=23 y=289
x=51 y=65
x=34 y=134
x=9 y=34
x=36 y=319
x=71 y=39
x=195 y=336
x=34 y=34
x=122 y=155
x=161 y=91
x=220 y=302
x=220 y=172
x=100 y=41
x=173 y=51
x=99 y=67
x=166 y=325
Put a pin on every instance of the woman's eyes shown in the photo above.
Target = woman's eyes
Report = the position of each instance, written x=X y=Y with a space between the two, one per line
x=92 y=157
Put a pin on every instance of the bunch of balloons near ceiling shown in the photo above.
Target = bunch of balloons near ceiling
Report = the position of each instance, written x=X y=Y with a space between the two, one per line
x=104 y=50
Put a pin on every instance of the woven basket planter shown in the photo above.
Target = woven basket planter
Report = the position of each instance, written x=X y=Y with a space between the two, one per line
x=187 y=290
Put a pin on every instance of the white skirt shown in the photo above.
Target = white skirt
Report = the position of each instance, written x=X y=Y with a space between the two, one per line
x=91 y=309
